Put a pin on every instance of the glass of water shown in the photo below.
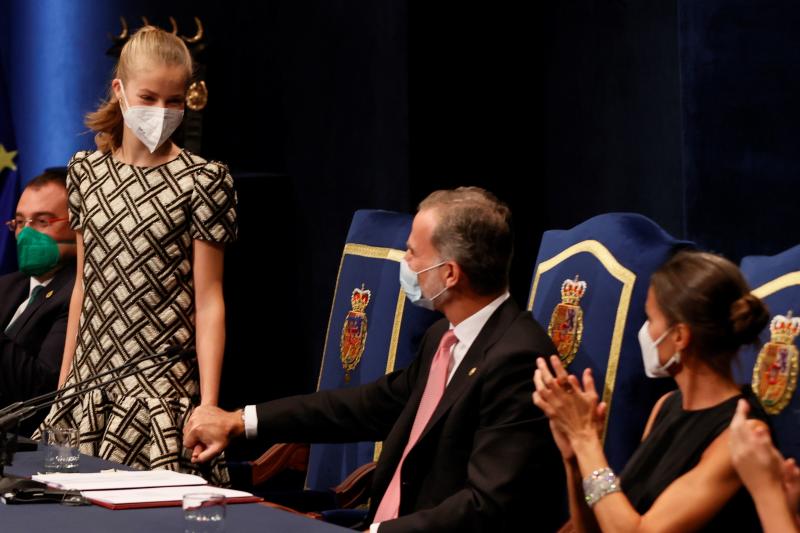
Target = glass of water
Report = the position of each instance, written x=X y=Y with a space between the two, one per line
x=203 y=512
x=61 y=451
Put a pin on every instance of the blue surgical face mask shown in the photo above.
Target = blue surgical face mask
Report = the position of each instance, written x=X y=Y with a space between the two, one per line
x=409 y=281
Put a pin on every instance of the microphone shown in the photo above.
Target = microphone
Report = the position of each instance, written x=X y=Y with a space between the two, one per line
x=10 y=418
x=29 y=407
x=142 y=357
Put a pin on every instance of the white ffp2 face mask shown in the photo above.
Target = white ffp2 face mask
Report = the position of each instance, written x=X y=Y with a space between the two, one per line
x=652 y=366
x=151 y=124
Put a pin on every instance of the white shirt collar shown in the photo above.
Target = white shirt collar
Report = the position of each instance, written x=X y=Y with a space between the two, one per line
x=35 y=283
x=468 y=329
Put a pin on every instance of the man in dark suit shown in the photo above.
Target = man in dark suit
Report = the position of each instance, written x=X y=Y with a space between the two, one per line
x=35 y=300
x=463 y=450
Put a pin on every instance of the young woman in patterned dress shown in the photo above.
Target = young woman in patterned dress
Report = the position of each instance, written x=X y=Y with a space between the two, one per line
x=151 y=221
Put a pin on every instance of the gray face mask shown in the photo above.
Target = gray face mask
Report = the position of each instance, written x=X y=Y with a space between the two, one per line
x=652 y=366
x=409 y=281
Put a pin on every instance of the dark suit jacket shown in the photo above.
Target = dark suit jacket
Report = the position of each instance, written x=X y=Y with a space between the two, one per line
x=31 y=351
x=486 y=461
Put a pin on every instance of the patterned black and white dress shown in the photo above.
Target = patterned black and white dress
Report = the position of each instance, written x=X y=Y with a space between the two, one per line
x=138 y=225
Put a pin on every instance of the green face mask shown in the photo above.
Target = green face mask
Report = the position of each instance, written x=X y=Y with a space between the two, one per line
x=37 y=253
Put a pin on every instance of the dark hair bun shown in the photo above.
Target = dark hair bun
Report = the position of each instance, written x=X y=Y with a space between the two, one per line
x=749 y=316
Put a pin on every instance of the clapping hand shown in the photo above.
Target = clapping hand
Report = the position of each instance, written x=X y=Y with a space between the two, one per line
x=757 y=461
x=574 y=409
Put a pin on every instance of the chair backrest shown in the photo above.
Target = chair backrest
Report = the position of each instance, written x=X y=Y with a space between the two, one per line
x=372 y=330
x=589 y=289
x=772 y=366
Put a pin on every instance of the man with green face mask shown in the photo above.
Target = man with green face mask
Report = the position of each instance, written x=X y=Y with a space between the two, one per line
x=34 y=302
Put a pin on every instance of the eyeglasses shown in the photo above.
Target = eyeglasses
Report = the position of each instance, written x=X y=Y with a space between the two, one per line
x=37 y=223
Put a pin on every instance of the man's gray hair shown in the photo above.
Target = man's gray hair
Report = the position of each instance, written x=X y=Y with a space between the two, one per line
x=473 y=229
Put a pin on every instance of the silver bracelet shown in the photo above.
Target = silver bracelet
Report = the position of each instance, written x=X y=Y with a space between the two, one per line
x=598 y=484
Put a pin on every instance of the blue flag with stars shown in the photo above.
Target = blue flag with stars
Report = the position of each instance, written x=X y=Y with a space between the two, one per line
x=9 y=182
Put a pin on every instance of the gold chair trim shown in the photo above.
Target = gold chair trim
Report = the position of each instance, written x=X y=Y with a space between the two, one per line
x=777 y=284
x=622 y=274
x=371 y=252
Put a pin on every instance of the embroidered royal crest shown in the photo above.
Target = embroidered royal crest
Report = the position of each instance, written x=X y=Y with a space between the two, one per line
x=775 y=371
x=566 y=322
x=354 y=331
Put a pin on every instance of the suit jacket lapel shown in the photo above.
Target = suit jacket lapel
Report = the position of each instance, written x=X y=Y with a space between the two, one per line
x=464 y=376
x=29 y=311
x=17 y=293
x=462 y=380
x=395 y=443
x=408 y=415
x=56 y=286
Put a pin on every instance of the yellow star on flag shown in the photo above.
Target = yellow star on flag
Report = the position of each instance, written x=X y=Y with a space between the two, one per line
x=7 y=159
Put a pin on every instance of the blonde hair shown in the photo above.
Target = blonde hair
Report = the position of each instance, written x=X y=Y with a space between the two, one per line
x=148 y=43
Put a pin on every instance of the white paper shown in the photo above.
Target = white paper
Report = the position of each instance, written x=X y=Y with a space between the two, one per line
x=120 y=480
x=161 y=494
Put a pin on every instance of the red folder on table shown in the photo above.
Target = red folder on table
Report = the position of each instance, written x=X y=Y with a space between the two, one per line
x=139 y=489
x=160 y=496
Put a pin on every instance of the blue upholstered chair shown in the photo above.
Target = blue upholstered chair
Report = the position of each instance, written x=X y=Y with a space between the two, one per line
x=589 y=288
x=776 y=280
x=387 y=330
x=372 y=330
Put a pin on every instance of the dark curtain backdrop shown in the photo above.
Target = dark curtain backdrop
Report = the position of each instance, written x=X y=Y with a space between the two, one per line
x=315 y=96
x=683 y=111
x=741 y=113
x=564 y=109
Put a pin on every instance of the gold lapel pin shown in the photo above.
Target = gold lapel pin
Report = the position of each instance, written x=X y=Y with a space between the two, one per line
x=472 y=370
x=49 y=294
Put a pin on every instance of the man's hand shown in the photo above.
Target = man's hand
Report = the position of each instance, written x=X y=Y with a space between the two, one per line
x=209 y=430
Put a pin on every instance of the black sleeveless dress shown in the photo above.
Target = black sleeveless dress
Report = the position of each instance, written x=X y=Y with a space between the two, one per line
x=674 y=446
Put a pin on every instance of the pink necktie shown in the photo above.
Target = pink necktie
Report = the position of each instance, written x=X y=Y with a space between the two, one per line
x=434 y=389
